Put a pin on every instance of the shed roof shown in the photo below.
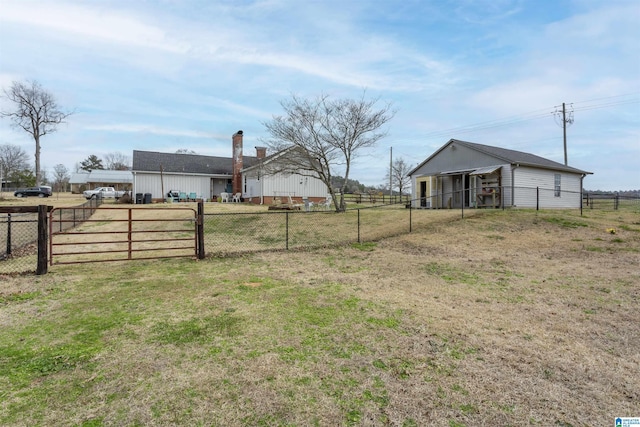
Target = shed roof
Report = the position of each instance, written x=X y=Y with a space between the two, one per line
x=102 y=176
x=506 y=155
x=485 y=171
x=150 y=161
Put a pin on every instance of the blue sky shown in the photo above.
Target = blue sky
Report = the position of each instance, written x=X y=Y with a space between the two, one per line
x=162 y=75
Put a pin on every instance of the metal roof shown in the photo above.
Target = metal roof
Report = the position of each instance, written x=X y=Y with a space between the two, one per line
x=102 y=176
x=485 y=171
x=455 y=172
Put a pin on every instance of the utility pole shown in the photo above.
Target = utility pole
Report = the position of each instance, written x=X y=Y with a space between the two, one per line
x=566 y=119
x=564 y=133
x=390 y=173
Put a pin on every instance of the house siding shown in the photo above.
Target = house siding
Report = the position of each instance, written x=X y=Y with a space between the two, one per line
x=281 y=185
x=294 y=185
x=527 y=179
x=151 y=183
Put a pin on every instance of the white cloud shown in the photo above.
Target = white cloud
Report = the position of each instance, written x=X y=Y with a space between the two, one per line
x=161 y=74
x=151 y=130
x=84 y=22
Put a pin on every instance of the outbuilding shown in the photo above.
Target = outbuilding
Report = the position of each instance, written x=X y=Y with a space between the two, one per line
x=473 y=175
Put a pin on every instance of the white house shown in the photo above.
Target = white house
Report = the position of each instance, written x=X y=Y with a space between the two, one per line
x=485 y=176
x=208 y=176
x=271 y=178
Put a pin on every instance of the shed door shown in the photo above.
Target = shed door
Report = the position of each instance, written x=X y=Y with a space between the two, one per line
x=423 y=194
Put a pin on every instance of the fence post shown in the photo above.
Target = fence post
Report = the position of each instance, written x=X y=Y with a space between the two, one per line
x=410 y=218
x=9 y=234
x=287 y=230
x=200 y=230
x=537 y=198
x=129 y=233
x=43 y=243
x=359 y=226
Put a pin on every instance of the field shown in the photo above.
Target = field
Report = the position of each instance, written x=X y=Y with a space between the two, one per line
x=503 y=318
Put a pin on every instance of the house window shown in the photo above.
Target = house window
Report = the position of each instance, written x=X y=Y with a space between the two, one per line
x=556 y=185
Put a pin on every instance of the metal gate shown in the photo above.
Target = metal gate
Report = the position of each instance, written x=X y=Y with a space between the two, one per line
x=84 y=234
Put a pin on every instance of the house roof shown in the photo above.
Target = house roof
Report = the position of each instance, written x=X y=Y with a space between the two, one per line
x=507 y=156
x=102 y=176
x=268 y=159
x=150 y=161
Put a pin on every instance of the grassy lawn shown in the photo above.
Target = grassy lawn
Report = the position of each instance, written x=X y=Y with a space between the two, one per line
x=503 y=318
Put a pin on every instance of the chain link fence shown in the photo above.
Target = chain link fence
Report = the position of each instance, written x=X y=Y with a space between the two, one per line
x=19 y=235
x=241 y=232
x=18 y=242
x=235 y=233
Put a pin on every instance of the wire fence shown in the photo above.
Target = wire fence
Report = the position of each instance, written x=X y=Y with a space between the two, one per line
x=241 y=232
x=19 y=235
x=18 y=241
x=611 y=202
x=233 y=233
x=527 y=197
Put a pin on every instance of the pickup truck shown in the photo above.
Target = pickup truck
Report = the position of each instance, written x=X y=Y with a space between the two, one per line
x=104 y=192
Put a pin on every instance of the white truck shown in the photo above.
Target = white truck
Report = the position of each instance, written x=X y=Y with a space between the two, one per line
x=104 y=192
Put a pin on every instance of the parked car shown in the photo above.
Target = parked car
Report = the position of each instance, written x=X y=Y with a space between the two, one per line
x=41 y=191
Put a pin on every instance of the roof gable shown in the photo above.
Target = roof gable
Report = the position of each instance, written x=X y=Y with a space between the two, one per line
x=505 y=156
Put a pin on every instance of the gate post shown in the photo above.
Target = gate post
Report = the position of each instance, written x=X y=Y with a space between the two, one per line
x=43 y=243
x=200 y=230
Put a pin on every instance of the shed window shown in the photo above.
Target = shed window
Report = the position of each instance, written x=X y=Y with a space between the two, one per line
x=556 y=185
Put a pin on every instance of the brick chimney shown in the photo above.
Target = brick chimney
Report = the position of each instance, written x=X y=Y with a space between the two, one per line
x=236 y=140
x=261 y=152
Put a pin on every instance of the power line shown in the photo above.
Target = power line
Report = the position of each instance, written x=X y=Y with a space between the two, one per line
x=636 y=94
x=611 y=101
x=532 y=115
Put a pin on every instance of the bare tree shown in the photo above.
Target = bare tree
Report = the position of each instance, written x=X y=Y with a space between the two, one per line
x=322 y=134
x=399 y=177
x=117 y=161
x=60 y=177
x=13 y=160
x=36 y=112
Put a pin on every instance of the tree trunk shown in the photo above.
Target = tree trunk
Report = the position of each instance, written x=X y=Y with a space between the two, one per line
x=38 y=174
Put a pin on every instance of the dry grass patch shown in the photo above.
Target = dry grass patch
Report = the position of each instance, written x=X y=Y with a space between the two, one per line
x=506 y=318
